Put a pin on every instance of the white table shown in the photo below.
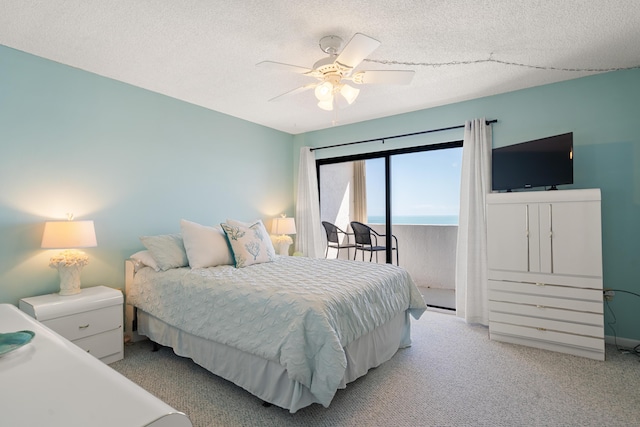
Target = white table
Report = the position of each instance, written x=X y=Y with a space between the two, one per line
x=52 y=382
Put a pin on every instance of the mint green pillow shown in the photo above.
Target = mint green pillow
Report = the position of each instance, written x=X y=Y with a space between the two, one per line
x=167 y=250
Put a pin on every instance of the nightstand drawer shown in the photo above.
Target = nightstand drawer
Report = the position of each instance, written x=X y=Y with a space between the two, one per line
x=87 y=323
x=102 y=345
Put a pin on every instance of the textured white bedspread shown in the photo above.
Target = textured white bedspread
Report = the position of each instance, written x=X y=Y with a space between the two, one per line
x=297 y=311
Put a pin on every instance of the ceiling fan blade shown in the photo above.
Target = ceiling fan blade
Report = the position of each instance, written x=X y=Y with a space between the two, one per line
x=358 y=48
x=295 y=91
x=395 y=77
x=283 y=66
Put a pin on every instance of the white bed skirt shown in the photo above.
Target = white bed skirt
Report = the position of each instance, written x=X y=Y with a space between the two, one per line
x=266 y=379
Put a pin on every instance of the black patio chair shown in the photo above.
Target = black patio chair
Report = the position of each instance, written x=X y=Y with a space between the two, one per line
x=334 y=239
x=367 y=241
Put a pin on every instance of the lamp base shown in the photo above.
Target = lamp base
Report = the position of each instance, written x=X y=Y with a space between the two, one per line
x=69 y=264
x=69 y=279
x=283 y=248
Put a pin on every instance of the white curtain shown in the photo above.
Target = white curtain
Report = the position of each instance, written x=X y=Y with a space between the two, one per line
x=471 y=255
x=359 y=191
x=309 y=228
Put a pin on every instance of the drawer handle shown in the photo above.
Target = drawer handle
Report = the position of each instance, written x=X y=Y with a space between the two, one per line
x=539 y=284
x=83 y=326
x=541 y=329
x=540 y=306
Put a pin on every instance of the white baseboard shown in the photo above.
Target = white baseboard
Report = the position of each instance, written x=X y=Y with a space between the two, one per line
x=621 y=342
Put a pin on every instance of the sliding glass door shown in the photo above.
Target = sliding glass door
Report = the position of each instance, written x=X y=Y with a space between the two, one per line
x=375 y=191
x=425 y=187
x=414 y=186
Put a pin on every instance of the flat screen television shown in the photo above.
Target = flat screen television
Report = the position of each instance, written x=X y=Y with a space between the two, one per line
x=545 y=162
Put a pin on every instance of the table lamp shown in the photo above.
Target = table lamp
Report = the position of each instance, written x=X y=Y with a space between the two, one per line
x=69 y=235
x=281 y=227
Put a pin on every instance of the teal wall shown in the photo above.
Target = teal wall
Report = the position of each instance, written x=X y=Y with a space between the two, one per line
x=602 y=111
x=134 y=161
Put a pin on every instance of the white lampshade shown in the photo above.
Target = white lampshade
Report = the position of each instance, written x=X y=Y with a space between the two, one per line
x=68 y=235
x=283 y=226
x=350 y=93
x=324 y=91
x=326 y=105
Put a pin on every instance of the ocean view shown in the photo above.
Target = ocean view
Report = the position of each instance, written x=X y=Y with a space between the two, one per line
x=416 y=219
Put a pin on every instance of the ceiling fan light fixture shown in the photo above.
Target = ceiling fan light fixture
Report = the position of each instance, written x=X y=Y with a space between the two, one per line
x=350 y=93
x=326 y=104
x=324 y=91
x=340 y=64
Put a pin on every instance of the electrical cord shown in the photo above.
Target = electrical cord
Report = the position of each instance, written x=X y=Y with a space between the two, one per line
x=623 y=291
x=635 y=350
x=499 y=61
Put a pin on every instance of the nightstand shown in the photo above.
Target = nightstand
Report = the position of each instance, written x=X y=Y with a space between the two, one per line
x=91 y=319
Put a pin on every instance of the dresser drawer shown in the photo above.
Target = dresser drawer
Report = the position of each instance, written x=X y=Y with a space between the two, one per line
x=503 y=329
x=103 y=344
x=548 y=324
x=545 y=312
x=588 y=300
x=559 y=291
x=87 y=323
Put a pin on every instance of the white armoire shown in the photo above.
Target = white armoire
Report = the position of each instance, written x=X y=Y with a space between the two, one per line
x=545 y=270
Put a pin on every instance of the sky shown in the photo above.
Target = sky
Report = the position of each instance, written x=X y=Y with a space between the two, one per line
x=423 y=183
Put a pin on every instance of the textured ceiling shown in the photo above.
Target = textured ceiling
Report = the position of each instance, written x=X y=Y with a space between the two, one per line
x=205 y=51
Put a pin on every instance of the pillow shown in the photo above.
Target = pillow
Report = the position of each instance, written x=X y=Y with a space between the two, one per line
x=244 y=224
x=167 y=250
x=145 y=258
x=250 y=244
x=205 y=246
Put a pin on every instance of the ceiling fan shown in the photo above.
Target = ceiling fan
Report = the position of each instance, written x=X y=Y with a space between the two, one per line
x=333 y=71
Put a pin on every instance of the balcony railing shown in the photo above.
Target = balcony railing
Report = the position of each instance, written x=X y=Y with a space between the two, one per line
x=427 y=252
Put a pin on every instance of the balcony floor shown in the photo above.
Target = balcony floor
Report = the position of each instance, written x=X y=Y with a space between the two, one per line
x=439 y=298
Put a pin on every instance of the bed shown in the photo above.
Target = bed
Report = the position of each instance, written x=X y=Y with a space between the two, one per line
x=290 y=330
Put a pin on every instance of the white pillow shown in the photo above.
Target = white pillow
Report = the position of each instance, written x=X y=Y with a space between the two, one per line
x=167 y=250
x=205 y=246
x=250 y=244
x=145 y=258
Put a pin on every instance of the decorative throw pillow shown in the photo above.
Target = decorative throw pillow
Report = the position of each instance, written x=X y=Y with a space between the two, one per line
x=250 y=244
x=167 y=250
x=144 y=258
x=205 y=246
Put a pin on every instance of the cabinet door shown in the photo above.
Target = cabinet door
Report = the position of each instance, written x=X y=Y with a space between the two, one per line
x=571 y=238
x=508 y=236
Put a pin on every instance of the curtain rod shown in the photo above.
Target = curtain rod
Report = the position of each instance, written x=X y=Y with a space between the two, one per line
x=398 y=136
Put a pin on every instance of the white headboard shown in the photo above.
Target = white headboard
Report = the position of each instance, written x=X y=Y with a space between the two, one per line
x=130 y=267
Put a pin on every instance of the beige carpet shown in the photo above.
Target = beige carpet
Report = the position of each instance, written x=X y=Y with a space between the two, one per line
x=453 y=375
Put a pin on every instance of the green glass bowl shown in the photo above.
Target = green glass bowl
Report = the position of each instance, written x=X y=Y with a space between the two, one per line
x=14 y=340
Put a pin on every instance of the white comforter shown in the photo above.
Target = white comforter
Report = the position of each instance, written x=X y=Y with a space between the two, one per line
x=299 y=312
